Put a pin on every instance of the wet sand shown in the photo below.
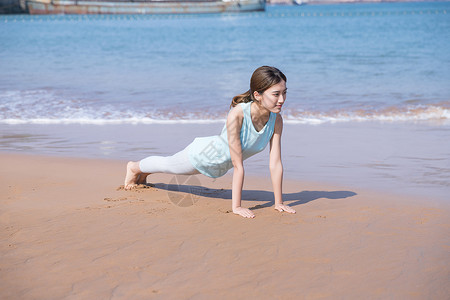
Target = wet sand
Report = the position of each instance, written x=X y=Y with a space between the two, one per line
x=69 y=232
x=401 y=158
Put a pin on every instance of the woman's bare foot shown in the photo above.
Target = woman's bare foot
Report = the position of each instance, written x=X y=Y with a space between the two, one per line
x=142 y=179
x=133 y=172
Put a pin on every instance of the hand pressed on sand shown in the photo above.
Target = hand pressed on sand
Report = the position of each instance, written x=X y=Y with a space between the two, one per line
x=245 y=212
x=283 y=207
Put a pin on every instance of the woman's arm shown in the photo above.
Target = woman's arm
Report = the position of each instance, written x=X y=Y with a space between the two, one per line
x=276 y=167
x=234 y=125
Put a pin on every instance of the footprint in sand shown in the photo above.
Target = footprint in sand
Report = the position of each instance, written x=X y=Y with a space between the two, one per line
x=137 y=188
x=114 y=200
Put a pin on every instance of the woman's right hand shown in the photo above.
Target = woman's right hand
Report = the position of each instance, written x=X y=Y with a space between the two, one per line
x=245 y=212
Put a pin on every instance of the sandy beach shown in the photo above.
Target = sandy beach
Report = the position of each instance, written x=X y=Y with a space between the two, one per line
x=366 y=160
x=69 y=232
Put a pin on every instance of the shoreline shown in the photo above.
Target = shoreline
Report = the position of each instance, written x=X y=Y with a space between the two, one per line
x=67 y=232
x=254 y=176
x=405 y=159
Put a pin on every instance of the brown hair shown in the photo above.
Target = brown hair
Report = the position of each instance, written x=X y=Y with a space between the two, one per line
x=263 y=78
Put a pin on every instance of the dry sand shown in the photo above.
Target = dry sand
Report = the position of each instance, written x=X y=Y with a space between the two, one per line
x=68 y=233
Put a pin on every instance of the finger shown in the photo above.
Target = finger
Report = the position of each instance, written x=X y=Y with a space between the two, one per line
x=289 y=210
x=242 y=213
x=249 y=214
x=245 y=215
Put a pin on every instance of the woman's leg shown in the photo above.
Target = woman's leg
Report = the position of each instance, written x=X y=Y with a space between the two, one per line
x=143 y=178
x=178 y=164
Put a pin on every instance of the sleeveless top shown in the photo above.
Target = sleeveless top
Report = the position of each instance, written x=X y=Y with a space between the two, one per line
x=211 y=155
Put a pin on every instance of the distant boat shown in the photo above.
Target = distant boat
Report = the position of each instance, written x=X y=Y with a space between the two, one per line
x=299 y=2
x=40 y=7
x=12 y=6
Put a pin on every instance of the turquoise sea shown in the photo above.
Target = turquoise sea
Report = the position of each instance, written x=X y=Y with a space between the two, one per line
x=386 y=61
x=371 y=76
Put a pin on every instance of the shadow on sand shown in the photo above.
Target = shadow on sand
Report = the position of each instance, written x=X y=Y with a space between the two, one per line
x=265 y=198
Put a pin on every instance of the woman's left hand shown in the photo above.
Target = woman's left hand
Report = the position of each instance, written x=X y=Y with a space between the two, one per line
x=282 y=207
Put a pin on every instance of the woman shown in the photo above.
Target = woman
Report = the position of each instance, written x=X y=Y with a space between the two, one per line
x=252 y=123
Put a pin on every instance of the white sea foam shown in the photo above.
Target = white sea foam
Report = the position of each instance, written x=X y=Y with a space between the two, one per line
x=436 y=115
x=419 y=113
x=48 y=107
x=86 y=121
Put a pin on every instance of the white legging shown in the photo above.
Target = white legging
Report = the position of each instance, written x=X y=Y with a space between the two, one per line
x=176 y=164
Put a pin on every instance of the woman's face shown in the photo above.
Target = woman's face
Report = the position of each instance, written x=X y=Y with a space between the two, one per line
x=273 y=98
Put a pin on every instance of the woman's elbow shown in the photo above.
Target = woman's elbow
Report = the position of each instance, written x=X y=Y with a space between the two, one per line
x=238 y=168
x=238 y=165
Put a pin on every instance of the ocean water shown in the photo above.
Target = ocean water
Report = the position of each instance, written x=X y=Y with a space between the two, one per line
x=385 y=62
x=368 y=87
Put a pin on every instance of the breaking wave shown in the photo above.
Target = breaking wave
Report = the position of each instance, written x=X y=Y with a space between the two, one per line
x=436 y=113
x=46 y=107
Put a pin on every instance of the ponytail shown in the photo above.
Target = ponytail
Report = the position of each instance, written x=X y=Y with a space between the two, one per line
x=242 y=98
x=263 y=78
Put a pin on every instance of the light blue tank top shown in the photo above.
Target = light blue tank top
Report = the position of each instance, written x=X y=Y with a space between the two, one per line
x=211 y=155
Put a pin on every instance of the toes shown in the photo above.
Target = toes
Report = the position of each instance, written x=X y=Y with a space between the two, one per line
x=128 y=187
